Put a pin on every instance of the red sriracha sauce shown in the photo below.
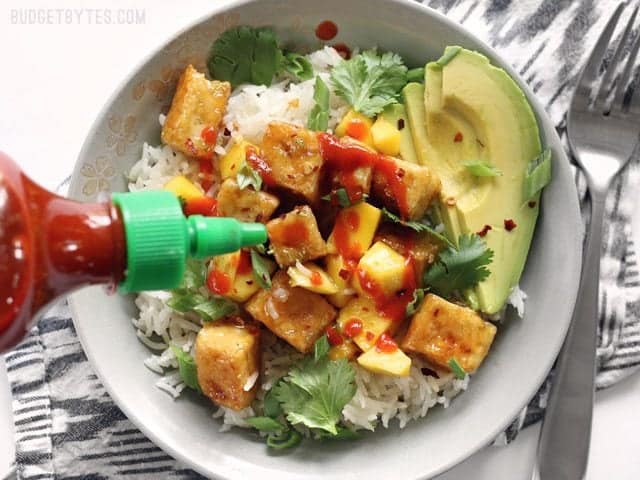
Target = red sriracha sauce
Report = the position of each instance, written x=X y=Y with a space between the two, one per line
x=326 y=30
x=218 y=282
x=244 y=263
x=386 y=344
x=353 y=327
x=209 y=135
x=316 y=278
x=334 y=337
x=289 y=234
x=260 y=165
x=357 y=129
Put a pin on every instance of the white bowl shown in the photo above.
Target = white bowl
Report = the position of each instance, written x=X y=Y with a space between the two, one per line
x=520 y=357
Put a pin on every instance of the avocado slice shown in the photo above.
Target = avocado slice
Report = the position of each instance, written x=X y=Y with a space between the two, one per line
x=396 y=115
x=472 y=110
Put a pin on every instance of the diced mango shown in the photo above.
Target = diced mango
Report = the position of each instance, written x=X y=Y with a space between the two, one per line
x=184 y=188
x=386 y=137
x=346 y=350
x=233 y=160
x=311 y=277
x=245 y=284
x=382 y=266
x=340 y=274
x=226 y=264
x=394 y=363
x=373 y=324
x=359 y=224
x=356 y=125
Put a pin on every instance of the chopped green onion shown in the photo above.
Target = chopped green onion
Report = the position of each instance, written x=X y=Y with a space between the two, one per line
x=260 y=270
x=284 y=439
x=418 y=296
x=319 y=115
x=457 y=370
x=247 y=176
x=343 y=434
x=479 y=168
x=415 y=75
x=187 y=368
x=538 y=174
x=265 y=424
x=449 y=54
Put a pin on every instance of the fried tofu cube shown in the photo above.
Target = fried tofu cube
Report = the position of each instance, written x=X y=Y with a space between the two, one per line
x=420 y=186
x=311 y=277
x=383 y=267
x=196 y=112
x=363 y=311
x=441 y=330
x=295 y=237
x=296 y=315
x=245 y=204
x=395 y=363
x=341 y=275
x=421 y=247
x=227 y=356
x=354 y=230
x=293 y=154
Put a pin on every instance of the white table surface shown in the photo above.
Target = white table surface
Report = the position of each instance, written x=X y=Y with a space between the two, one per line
x=55 y=78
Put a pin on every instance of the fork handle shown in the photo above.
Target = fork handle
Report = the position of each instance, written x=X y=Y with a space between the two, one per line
x=563 y=448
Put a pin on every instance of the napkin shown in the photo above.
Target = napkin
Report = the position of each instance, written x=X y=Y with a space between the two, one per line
x=66 y=425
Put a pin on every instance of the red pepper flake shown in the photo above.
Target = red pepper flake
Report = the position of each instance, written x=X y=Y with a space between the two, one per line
x=400 y=123
x=386 y=344
x=353 y=327
x=343 y=50
x=316 y=278
x=484 y=230
x=206 y=173
x=326 y=30
x=334 y=337
x=436 y=312
x=509 y=224
x=458 y=137
x=532 y=203
x=344 y=274
x=479 y=142
x=209 y=135
x=191 y=147
x=370 y=336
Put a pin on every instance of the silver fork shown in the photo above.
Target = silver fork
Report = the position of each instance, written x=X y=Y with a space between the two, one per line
x=603 y=129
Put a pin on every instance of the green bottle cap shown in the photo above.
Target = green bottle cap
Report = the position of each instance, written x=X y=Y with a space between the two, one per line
x=160 y=238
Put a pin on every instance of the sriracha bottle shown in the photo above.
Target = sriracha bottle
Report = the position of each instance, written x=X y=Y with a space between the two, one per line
x=50 y=245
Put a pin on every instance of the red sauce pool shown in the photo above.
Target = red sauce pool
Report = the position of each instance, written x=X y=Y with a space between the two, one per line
x=347 y=222
x=357 y=129
x=244 y=263
x=209 y=135
x=326 y=30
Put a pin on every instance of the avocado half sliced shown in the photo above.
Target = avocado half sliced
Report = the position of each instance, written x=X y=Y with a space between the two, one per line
x=469 y=110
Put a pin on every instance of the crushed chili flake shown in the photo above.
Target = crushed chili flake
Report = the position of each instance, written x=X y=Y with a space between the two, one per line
x=509 y=224
x=436 y=312
x=479 y=142
x=370 y=336
x=333 y=335
x=458 y=137
x=484 y=230
x=532 y=203
x=400 y=123
x=344 y=274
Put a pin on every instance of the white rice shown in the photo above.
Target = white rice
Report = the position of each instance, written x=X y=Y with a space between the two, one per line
x=379 y=399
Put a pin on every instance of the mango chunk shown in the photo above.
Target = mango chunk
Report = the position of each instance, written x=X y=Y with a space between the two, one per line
x=236 y=269
x=346 y=350
x=232 y=161
x=354 y=230
x=363 y=311
x=383 y=267
x=340 y=273
x=183 y=188
x=357 y=126
x=394 y=363
x=386 y=137
x=311 y=277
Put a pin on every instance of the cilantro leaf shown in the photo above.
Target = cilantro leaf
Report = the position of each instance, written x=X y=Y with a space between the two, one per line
x=456 y=368
x=460 y=267
x=260 y=270
x=418 y=296
x=478 y=168
x=319 y=115
x=208 y=308
x=321 y=348
x=245 y=55
x=341 y=197
x=419 y=227
x=286 y=439
x=538 y=174
x=187 y=368
x=315 y=392
x=271 y=405
x=247 y=176
x=369 y=81
x=343 y=434
x=297 y=65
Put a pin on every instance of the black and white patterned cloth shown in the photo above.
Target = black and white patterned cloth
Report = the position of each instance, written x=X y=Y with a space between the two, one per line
x=66 y=426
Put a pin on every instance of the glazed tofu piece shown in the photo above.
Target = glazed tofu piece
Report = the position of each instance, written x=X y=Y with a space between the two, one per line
x=196 y=111
x=421 y=247
x=418 y=184
x=294 y=236
x=245 y=204
x=441 y=330
x=296 y=315
x=293 y=154
x=227 y=355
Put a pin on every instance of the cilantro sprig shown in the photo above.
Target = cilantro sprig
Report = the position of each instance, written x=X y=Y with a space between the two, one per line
x=420 y=227
x=370 y=81
x=460 y=267
x=478 y=168
x=319 y=115
x=340 y=196
x=260 y=270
